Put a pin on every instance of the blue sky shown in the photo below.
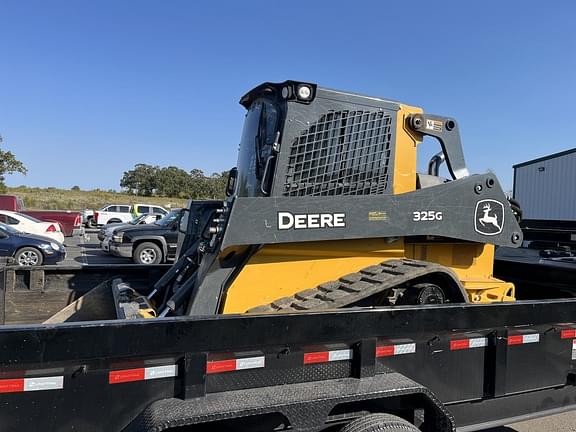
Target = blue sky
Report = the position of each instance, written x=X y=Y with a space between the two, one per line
x=89 y=89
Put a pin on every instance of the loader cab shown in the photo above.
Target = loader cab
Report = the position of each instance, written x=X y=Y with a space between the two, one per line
x=303 y=140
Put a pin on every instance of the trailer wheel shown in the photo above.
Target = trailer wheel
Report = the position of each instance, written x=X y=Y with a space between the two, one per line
x=147 y=253
x=380 y=423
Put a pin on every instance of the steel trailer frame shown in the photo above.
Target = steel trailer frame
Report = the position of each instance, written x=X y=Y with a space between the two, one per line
x=467 y=365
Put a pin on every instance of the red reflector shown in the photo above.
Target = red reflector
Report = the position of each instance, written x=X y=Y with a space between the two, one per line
x=78 y=221
x=95 y=217
x=316 y=357
x=568 y=334
x=51 y=228
x=12 y=385
x=385 y=351
x=515 y=340
x=459 y=344
x=128 y=375
x=220 y=366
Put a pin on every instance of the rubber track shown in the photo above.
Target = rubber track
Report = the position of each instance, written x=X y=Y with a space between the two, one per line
x=357 y=286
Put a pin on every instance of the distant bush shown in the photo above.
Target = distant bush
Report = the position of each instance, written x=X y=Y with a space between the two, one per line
x=75 y=188
x=66 y=199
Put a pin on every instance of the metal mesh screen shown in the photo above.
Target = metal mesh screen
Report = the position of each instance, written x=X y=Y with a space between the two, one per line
x=343 y=153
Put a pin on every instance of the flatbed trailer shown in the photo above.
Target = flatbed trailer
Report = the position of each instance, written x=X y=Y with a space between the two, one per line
x=438 y=366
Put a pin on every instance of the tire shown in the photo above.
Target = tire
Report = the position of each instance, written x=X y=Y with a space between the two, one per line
x=28 y=256
x=91 y=223
x=113 y=220
x=147 y=253
x=380 y=423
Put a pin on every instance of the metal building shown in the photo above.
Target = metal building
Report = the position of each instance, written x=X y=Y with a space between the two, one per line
x=546 y=187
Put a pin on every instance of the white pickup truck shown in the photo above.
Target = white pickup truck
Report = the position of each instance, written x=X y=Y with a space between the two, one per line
x=123 y=213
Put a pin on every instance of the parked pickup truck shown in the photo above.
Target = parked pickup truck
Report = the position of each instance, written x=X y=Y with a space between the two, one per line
x=153 y=243
x=70 y=221
x=122 y=213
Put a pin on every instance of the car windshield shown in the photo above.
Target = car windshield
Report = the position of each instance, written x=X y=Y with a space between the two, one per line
x=30 y=218
x=169 y=218
x=8 y=229
x=138 y=219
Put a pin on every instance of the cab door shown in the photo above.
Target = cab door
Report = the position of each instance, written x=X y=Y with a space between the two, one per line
x=172 y=238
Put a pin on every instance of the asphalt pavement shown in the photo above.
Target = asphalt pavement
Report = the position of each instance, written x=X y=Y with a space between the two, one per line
x=565 y=422
x=86 y=250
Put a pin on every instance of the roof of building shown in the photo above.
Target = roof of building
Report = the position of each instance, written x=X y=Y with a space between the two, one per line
x=544 y=158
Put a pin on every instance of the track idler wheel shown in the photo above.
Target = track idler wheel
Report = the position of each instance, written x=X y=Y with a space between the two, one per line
x=421 y=294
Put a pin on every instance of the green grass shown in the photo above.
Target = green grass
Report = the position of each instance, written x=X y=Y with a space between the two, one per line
x=63 y=199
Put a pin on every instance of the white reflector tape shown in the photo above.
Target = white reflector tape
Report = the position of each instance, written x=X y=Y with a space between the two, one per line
x=250 y=363
x=345 y=354
x=531 y=338
x=409 y=348
x=574 y=349
x=478 y=342
x=157 y=372
x=47 y=383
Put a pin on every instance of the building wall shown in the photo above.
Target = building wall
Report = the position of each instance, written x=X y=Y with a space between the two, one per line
x=546 y=189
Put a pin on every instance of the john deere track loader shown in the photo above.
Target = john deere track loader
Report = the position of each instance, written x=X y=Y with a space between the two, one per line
x=326 y=209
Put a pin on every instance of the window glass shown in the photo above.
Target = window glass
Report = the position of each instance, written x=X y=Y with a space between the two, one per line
x=123 y=209
x=12 y=221
x=169 y=218
x=3 y=218
x=159 y=210
x=143 y=209
x=9 y=229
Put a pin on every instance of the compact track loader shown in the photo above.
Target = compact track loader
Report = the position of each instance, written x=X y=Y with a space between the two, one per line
x=326 y=210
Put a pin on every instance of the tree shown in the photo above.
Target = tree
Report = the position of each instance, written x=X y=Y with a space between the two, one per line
x=173 y=182
x=147 y=180
x=75 y=188
x=142 y=180
x=198 y=184
x=217 y=185
x=9 y=165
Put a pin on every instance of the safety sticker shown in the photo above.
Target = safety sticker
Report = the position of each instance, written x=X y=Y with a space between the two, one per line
x=434 y=125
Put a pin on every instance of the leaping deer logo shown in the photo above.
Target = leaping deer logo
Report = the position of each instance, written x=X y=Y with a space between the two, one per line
x=487 y=218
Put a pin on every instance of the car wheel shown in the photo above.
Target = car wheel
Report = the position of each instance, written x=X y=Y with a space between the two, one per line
x=147 y=253
x=29 y=256
x=114 y=221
